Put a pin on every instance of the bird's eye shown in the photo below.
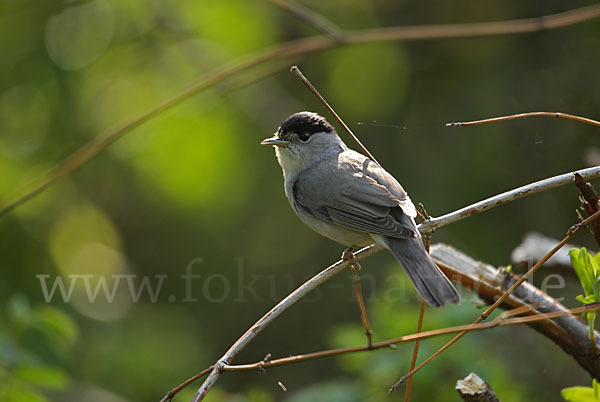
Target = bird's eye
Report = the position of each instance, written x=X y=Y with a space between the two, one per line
x=304 y=136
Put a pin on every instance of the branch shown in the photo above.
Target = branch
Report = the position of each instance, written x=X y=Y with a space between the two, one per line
x=500 y=199
x=521 y=115
x=473 y=389
x=294 y=49
x=568 y=332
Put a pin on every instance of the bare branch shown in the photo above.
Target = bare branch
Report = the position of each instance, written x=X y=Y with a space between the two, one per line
x=500 y=199
x=522 y=115
x=294 y=49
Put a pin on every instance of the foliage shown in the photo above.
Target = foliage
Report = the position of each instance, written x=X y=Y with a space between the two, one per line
x=582 y=394
x=33 y=351
x=587 y=267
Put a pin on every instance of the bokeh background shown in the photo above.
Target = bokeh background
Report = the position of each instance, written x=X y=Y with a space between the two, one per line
x=193 y=190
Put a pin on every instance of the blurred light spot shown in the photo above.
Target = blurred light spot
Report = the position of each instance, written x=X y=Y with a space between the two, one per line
x=194 y=158
x=96 y=300
x=24 y=119
x=85 y=242
x=79 y=34
x=77 y=228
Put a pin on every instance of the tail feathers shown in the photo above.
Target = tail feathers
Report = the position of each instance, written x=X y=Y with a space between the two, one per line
x=433 y=285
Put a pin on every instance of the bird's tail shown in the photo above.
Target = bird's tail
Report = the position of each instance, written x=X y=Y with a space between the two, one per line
x=433 y=285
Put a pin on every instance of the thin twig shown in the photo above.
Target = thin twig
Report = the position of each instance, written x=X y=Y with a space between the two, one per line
x=521 y=115
x=171 y=394
x=503 y=319
x=415 y=353
x=413 y=359
x=312 y=89
x=361 y=306
x=293 y=49
x=312 y=18
x=574 y=229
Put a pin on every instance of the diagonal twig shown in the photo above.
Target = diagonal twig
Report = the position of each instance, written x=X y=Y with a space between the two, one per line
x=312 y=89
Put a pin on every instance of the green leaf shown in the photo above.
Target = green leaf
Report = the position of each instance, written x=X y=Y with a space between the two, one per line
x=579 y=394
x=587 y=299
x=581 y=261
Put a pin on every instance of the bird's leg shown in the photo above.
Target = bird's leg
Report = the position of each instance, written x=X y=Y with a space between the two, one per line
x=348 y=255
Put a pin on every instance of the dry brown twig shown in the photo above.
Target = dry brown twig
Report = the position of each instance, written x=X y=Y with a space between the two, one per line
x=415 y=353
x=522 y=115
x=295 y=49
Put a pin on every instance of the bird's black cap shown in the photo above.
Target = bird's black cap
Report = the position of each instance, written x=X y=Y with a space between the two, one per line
x=305 y=123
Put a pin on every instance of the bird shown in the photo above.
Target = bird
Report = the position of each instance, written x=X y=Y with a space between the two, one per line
x=350 y=199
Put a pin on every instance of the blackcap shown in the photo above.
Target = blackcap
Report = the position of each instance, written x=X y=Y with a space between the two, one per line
x=347 y=197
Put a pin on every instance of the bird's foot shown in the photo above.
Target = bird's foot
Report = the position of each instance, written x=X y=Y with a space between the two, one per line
x=348 y=255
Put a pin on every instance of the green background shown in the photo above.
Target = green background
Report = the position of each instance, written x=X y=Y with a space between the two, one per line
x=194 y=183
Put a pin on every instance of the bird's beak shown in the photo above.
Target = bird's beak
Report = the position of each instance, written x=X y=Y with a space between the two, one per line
x=275 y=141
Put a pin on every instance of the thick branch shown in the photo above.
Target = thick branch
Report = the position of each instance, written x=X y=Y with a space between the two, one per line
x=568 y=332
x=293 y=50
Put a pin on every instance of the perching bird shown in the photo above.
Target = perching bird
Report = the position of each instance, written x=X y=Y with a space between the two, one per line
x=347 y=197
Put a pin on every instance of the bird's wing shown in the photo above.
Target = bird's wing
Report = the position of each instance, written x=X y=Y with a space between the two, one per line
x=358 y=194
